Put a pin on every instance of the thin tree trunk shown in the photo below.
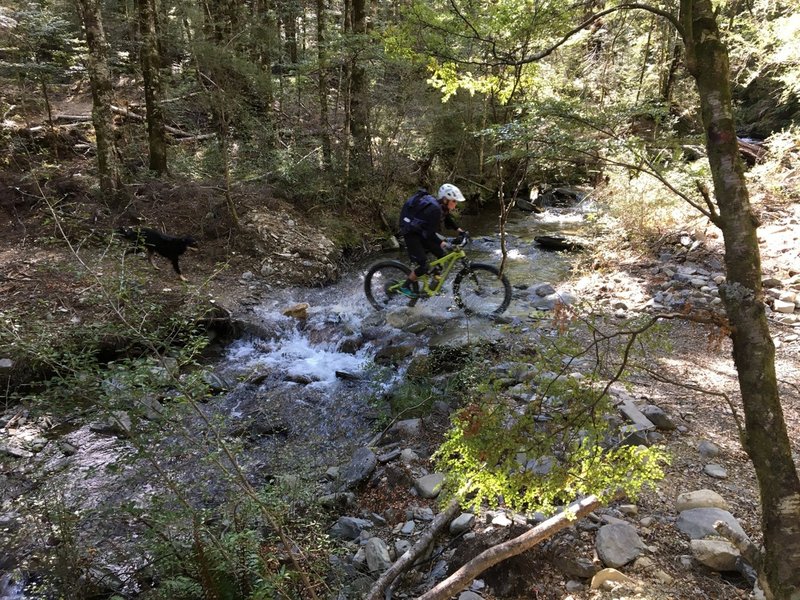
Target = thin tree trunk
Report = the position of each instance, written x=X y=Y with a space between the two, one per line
x=359 y=101
x=645 y=58
x=767 y=442
x=102 y=98
x=153 y=93
x=49 y=107
x=322 y=67
x=669 y=76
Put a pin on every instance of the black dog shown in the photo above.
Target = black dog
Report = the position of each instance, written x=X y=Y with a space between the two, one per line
x=153 y=242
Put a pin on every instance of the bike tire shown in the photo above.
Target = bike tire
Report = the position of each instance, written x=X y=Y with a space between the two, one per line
x=379 y=277
x=481 y=290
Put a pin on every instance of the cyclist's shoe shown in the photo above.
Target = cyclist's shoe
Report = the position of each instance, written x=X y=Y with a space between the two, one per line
x=407 y=291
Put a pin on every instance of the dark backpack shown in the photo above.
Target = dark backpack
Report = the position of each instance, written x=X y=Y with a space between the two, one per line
x=416 y=205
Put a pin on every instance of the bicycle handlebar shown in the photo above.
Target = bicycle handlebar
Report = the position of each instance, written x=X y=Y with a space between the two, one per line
x=461 y=240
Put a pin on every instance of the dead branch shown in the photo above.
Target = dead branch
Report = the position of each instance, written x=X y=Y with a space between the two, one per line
x=71 y=118
x=496 y=554
x=409 y=556
x=194 y=138
x=180 y=135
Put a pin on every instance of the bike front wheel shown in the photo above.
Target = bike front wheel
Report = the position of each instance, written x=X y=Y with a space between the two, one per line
x=381 y=283
x=481 y=290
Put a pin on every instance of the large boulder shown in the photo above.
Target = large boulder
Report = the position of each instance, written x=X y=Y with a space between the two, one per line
x=698 y=523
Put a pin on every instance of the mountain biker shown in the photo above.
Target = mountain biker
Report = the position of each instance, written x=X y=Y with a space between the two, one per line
x=420 y=221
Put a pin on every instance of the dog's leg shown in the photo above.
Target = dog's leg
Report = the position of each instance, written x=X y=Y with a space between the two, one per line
x=178 y=269
x=150 y=259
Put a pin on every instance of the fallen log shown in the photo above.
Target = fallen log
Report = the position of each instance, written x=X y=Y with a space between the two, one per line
x=496 y=554
x=750 y=152
x=409 y=556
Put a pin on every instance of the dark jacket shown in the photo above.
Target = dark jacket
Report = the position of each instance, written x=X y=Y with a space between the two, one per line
x=429 y=218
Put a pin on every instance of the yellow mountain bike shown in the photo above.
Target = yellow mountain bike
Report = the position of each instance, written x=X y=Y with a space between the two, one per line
x=479 y=289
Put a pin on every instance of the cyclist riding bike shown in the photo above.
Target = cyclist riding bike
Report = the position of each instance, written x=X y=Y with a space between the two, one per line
x=420 y=222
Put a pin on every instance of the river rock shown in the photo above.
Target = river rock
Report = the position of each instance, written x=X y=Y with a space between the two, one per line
x=14 y=451
x=394 y=353
x=429 y=486
x=698 y=523
x=360 y=468
x=708 y=449
x=719 y=555
x=67 y=448
x=781 y=306
x=377 y=555
x=408 y=456
x=549 y=302
x=462 y=523
x=658 y=417
x=216 y=382
x=700 y=499
x=606 y=578
x=618 y=544
x=338 y=500
x=407 y=429
x=423 y=513
x=544 y=289
x=715 y=471
x=118 y=423
x=349 y=528
x=401 y=546
x=469 y=595
x=576 y=566
x=408 y=527
x=574 y=586
x=297 y=311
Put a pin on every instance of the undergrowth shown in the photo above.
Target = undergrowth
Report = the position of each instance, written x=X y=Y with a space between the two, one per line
x=538 y=431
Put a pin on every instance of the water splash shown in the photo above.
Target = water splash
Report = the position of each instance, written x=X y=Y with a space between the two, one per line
x=297 y=355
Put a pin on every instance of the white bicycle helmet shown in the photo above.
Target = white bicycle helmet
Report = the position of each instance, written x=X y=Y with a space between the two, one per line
x=450 y=192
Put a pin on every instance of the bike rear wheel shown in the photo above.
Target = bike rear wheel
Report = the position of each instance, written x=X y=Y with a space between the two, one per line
x=481 y=290
x=381 y=281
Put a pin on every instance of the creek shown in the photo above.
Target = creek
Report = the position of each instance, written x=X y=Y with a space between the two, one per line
x=293 y=396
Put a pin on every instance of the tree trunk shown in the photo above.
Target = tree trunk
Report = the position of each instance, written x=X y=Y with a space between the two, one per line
x=289 y=19
x=322 y=60
x=767 y=442
x=359 y=105
x=669 y=77
x=151 y=75
x=102 y=98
